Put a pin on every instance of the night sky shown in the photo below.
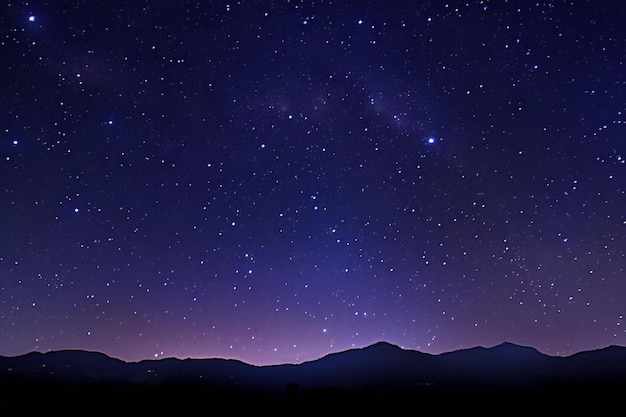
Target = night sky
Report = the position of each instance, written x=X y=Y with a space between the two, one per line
x=275 y=181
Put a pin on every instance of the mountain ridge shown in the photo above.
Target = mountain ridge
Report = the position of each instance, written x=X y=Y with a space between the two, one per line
x=380 y=345
x=379 y=357
x=379 y=374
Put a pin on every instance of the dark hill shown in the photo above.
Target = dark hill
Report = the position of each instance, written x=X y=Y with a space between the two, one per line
x=377 y=372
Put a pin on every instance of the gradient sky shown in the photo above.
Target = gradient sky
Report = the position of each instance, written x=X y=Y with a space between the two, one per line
x=275 y=181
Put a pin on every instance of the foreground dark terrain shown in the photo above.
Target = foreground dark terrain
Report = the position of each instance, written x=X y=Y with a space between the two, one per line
x=380 y=379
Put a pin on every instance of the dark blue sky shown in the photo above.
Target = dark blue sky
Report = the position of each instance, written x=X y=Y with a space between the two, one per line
x=274 y=181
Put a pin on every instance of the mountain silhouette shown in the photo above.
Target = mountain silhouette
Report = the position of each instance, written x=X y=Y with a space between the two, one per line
x=377 y=371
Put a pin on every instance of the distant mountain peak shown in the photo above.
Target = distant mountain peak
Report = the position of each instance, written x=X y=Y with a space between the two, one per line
x=513 y=347
x=383 y=345
x=507 y=344
x=510 y=345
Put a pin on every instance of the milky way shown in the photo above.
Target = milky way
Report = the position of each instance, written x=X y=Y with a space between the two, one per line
x=275 y=181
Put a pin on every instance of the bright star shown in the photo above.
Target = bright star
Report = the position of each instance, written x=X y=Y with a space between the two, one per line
x=31 y=18
x=430 y=140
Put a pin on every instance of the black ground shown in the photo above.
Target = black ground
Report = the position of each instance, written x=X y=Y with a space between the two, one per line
x=46 y=398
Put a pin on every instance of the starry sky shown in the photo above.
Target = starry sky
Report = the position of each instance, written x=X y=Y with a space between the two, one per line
x=275 y=181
